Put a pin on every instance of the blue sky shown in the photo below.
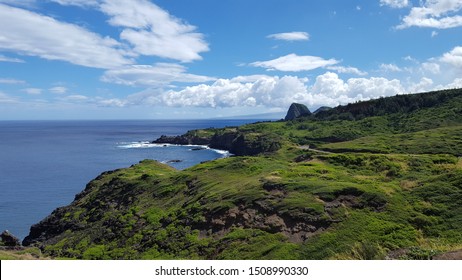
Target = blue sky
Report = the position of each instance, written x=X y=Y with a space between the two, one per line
x=173 y=59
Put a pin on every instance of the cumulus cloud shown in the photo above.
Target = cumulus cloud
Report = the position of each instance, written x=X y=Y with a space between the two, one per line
x=38 y=35
x=268 y=91
x=457 y=83
x=153 y=31
x=425 y=84
x=454 y=57
x=290 y=36
x=439 y=14
x=431 y=67
x=152 y=75
x=295 y=63
x=395 y=3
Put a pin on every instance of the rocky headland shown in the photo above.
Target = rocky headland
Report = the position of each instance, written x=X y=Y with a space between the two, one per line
x=390 y=187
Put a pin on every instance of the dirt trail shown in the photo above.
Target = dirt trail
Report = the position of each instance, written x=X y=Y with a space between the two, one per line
x=307 y=147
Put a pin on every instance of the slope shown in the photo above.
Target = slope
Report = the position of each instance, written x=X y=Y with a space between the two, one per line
x=372 y=198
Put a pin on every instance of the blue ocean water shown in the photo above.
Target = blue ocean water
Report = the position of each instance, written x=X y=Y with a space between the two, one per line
x=44 y=164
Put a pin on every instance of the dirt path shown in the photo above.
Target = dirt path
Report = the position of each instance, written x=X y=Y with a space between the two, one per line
x=307 y=147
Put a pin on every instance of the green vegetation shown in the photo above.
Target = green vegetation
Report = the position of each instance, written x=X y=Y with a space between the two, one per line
x=390 y=187
x=22 y=254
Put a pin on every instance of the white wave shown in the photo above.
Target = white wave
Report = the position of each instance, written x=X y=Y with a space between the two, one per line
x=223 y=153
x=141 y=145
x=146 y=145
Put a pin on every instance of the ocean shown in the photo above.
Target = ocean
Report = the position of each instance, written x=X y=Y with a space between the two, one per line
x=44 y=164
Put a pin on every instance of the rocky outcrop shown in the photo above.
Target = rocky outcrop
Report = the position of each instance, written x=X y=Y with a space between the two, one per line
x=321 y=109
x=296 y=226
x=297 y=110
x=9 y=240
x=182 y=140
x=234 y=141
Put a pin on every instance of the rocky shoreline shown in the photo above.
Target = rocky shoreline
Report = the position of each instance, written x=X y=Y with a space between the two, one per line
x=231 y=140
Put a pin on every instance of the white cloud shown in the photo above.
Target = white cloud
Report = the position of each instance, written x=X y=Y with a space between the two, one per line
x=268 y=91
x=156 y=75
x=114 y=102
x=347 y=70
x=58 y=90
x=434 y=34
x=395 y=3
x=153 y=31
x=425 y=84
x=439 y=14
x=295 y=63
x=80 y=3
x=454 y=57
x=457 y=83
x=330 y=90
x=22 y=3
x=147 y=28
x=5 y=99
x=290 y=36
x=33 y=91
x=11 y=81
x=410 y=58
x=76 y=98
x=390 y=68
x=10 y=59
x=37 y=35
x=431 y=67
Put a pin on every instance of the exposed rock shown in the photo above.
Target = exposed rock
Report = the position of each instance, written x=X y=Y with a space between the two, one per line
x=454 y=255
x=182 y=140
x=235 y=142
x=9 y=239
x=297 y=110
x=296 y=227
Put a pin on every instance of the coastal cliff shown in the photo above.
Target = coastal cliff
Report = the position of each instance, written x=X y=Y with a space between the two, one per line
x=371 y=180
x=234 y=140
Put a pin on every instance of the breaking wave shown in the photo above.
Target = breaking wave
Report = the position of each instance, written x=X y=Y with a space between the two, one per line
x=147 y=145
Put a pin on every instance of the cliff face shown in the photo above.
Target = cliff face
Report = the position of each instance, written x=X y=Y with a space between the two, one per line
x=182 y=140
x=232 y=140
x=297 y=110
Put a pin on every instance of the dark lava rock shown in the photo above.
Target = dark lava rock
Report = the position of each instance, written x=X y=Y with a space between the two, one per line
x=297 y=110
x=9 y=239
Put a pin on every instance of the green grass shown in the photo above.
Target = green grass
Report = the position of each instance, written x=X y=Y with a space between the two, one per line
x=393 y=182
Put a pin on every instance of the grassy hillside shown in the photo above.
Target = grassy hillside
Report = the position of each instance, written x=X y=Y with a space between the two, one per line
x=390 y=187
